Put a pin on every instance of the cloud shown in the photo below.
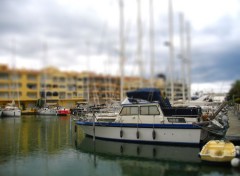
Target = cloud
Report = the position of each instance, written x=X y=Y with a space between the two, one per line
x=75 y=30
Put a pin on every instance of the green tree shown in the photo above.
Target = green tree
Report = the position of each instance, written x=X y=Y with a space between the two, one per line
x=234 y=92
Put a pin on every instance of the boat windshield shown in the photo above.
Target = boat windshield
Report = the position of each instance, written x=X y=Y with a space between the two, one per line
x=144 y=110
x=149 y=110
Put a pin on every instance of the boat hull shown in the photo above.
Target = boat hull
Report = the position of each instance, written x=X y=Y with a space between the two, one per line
x=47 y=112
x=143 y=133
x=11 y=113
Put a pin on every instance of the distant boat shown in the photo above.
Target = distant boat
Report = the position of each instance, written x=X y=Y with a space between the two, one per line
x=148 y=118
x=218 y=151
x=11 y=110
x=61 y=111
x=47 y=110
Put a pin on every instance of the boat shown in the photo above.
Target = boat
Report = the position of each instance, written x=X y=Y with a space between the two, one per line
x=218 y=151
x=61 y=111
x=47 y=111
x=11 y=110
x=147 y=117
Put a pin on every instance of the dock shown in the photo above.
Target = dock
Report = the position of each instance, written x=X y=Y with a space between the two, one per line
x=233 y=133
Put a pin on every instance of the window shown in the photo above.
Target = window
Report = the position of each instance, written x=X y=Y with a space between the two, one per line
x=129 y=110
x=149 y=110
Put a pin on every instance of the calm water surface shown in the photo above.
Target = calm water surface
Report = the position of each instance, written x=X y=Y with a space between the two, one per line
x=45 y=145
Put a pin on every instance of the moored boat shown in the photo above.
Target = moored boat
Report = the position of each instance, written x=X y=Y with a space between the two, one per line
x=218 y=151
x=148 y=118
x=47 y=111
x=11 y=110
x=61 y=111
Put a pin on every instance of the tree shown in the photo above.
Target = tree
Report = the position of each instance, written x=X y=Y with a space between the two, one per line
x=234 y=92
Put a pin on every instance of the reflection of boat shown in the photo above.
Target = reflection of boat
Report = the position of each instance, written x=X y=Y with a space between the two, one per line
x=11 y=110
x=148 y=118
x=144 y=151
x=218 y=151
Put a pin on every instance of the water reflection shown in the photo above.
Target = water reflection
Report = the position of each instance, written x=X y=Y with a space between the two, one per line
x=24 y=136
x=144 y=159
x=48 y=145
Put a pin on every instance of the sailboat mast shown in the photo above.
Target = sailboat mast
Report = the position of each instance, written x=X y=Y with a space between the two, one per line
x=122 y=47
x=171 y=47
x=182 y=53
x=188 y=36
x=151 y=42
x=139 y=49
x=45 y=48
x=14 y=76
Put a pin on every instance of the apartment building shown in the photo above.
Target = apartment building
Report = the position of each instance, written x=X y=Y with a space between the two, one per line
x=27 y=87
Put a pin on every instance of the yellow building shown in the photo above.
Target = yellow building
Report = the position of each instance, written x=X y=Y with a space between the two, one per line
x=26 y=87
x=62 y=88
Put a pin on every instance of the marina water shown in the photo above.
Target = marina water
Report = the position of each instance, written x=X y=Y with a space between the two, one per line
x=50 y=145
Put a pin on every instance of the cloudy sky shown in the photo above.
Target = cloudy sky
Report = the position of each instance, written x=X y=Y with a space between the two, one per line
x=84 y=35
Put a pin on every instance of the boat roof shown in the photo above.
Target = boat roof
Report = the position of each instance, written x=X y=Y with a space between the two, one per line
x=148 y=95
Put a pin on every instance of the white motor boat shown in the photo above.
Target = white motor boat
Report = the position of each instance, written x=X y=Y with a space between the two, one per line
x=148 y=118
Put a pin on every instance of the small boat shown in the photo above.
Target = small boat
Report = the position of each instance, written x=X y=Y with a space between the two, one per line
x=11 y=110
x=47 y=111
x=218 y=151
x=61 y=111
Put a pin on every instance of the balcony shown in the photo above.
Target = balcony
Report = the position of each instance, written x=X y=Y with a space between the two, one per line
x=4 y=76
x=32 y=95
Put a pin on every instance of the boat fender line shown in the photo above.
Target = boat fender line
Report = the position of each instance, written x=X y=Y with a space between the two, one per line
x=138 y=150
x=121 y=133
x=121 y=149
x=138 y=135
x=75 y=128
x=154 y=134
x=154 y=152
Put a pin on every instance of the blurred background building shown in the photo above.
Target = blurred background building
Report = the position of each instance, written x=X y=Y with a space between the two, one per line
x=26 y=87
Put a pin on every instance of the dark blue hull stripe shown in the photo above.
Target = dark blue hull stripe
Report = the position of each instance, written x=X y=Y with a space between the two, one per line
x=131 y=125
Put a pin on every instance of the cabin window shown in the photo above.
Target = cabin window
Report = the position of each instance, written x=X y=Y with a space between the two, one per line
x=149 y=110
x=129 y=111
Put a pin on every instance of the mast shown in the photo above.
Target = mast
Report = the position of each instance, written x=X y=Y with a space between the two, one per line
x=189 y=61
x=45 y=48
x=139 y=49
x=182 y=53
x=151 y=42
x=122 y=47
x=171 y=47
x=14 y=74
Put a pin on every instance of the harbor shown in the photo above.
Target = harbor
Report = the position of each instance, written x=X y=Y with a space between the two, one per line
x=116 y=87
x=50 y=145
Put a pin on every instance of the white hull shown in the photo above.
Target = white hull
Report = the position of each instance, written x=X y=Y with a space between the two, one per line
x=163 y=134
x=11 y=113
x=46 y=111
